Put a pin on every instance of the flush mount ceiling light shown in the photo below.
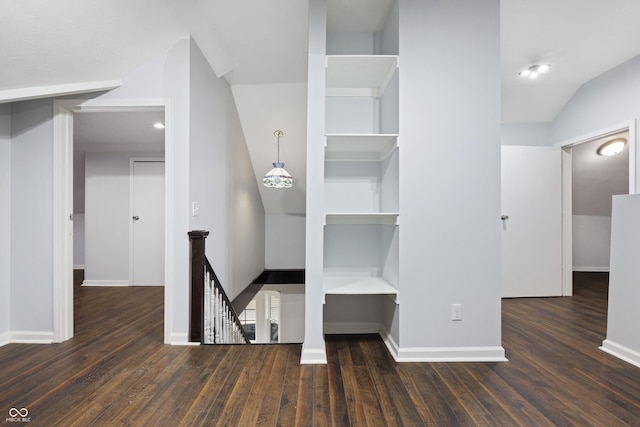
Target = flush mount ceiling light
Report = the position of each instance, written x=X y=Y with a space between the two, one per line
x=158 y=125
x=613 y=147
x=278 y=177
x=534 y=71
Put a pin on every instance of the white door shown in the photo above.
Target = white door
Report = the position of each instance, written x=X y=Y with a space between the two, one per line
x=532 y=233
x=147 y=208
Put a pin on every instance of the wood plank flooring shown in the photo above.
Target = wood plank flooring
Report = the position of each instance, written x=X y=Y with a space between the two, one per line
x=117 y=371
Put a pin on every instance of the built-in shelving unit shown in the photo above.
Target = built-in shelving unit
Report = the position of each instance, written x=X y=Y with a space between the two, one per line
x=361 y=167
x=359 y=75
x=358 y=285
x=381 y=218
x=364 y=147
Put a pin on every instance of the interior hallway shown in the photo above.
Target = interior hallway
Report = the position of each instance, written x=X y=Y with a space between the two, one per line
x=117 y=371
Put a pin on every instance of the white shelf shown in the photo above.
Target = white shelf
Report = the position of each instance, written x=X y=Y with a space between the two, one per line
x=359 y=75
x=385 y=218
x=358 y=285
x=367 y=147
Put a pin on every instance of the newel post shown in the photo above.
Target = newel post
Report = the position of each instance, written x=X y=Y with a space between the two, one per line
x=196 y=303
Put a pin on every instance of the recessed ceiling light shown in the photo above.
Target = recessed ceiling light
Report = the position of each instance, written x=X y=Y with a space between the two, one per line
x=534 y=71
x=158 y=125
x=613 y=147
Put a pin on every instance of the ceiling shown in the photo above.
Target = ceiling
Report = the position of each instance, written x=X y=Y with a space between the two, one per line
x=261 y=49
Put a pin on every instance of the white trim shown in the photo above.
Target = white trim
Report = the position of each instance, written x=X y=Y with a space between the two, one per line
x=62 y=221
x=62 y=190
x=621 y=352
x=169 y=222
x=392 y=345
x=132 y=161
x=591 y=269
x=567 y=218
x=22 y=94
x=351 y=328
x=5 y=338
x=119 y=283
x=451 y=354
x=31 y=337
x=78 y=266
x=181 y=339
x=566 y=227
x=313 y=357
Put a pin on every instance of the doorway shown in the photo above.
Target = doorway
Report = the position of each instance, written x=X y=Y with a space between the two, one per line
x=64 y=113
x=146 y=227
x=589 y=180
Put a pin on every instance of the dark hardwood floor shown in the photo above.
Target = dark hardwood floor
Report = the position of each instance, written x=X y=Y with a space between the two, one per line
x=117 y=371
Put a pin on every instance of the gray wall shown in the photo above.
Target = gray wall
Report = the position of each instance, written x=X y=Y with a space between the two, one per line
x=284 y=241
x=5 y=221
x=536 y=134
x=222 y=180
x=106 y=232
x=31 y=213
x=450 y=133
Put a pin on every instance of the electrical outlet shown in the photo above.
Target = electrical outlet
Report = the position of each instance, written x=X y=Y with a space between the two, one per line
x=456 y=312
x=195 y=209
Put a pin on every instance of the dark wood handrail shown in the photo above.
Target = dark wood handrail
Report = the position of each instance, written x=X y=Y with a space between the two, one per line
x=199 y=263
x=196 y=302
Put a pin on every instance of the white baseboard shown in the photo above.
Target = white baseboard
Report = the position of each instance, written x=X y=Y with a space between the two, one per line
x=143 y=286
x=333 y=328
x=591 y=269
x=31 y=337
x=392 y=345
x=5 y=338
x=313 y=356
x=441 y=354
x=105 y=283
x=181 y=339
x=452 y=354
x=621 y=352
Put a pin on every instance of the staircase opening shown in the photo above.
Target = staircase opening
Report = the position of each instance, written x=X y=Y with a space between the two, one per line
x=261 y=318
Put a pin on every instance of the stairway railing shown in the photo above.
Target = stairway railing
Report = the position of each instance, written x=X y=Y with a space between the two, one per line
x=213 y=319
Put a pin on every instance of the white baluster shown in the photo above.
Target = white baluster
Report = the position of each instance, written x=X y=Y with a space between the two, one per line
x=217 y=318
x=207 y=291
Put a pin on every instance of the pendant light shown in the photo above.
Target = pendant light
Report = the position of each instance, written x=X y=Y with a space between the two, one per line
x=278 y=177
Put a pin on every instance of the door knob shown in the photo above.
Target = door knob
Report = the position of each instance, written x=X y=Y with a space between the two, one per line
x=136 y=217
x=504 y=217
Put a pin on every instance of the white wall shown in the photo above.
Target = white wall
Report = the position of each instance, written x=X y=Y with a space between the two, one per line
x=106 y=218
x=536 y=134
x=222 y=180
x=31 y=225
x=623 y=315
x=450 y=139
x=284 y=241
x=78 y=240
x=291 y=328
x=5 y=221
x=591 y=242
x=313 y=348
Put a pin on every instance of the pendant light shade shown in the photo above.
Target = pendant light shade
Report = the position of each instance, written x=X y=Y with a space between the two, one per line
x=278 y=177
